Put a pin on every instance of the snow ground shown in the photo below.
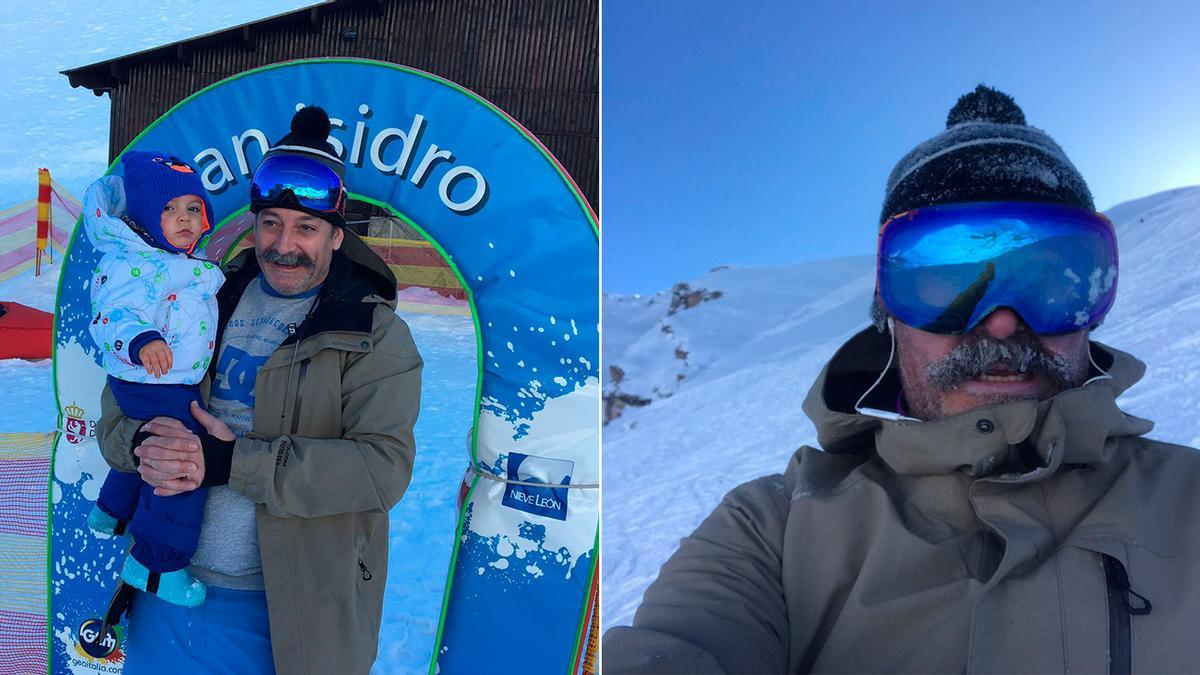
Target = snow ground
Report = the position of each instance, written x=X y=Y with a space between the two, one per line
x=726 y=377
x=422 y=524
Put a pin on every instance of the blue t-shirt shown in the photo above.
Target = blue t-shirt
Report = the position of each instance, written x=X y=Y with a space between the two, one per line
x=227 y=555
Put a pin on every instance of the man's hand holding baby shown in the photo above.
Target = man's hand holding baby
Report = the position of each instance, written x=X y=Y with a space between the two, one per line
x=174 y=460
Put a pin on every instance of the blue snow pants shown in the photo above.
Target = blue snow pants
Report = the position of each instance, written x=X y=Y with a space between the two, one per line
x=228 y=634
x=165 y=529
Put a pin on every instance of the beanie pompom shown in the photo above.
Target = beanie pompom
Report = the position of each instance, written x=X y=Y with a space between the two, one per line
x=985 y=105
x=311 y=122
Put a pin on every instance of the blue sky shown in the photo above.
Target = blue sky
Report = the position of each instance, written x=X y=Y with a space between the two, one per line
x=759 y=134
x=45 y=121
x=763 y=133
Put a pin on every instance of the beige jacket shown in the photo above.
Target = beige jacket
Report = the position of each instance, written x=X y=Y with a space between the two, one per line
x=330 y=453
x=998 y=540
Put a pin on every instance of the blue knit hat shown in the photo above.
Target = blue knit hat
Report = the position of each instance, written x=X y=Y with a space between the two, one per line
x=151 y=180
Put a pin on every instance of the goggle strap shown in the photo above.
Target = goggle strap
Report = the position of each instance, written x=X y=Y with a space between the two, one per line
x=311 y=151
x=967 y=144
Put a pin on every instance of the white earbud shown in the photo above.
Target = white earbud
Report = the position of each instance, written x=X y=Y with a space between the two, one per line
x=876 y=412
x=1103 y=373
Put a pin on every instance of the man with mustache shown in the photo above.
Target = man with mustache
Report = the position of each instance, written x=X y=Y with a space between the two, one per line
x=313 y=394
x=979 y=502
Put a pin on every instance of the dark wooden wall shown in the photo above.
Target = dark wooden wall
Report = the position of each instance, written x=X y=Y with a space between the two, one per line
x=538 y=60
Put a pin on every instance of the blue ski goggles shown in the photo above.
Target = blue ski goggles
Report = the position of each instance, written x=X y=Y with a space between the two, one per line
x=943 y=269
x=293 y=181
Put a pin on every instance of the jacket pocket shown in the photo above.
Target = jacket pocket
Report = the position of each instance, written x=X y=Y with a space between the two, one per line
x=1123 y=604
x=370 y=572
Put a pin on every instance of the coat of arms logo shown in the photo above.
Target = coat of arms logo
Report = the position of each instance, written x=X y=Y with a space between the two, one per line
x=77 y=426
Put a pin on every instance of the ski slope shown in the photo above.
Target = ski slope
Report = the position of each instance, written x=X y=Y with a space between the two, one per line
x=725 y=377
x=422 y=524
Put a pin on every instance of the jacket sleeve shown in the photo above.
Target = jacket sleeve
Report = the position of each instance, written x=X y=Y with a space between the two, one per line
x=717 y=605
x=114 y=433
x=369 y=468
x=121 y=311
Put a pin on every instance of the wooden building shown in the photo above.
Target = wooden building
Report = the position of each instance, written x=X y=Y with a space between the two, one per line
x=538 y=60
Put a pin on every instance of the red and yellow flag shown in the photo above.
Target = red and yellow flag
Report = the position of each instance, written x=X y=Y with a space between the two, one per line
x=43 y=209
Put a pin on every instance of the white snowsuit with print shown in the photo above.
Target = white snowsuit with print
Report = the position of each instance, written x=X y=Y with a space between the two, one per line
x=138 y=287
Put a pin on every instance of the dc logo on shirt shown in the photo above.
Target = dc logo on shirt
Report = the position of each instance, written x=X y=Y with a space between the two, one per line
x=236 y=373
x=550 y=502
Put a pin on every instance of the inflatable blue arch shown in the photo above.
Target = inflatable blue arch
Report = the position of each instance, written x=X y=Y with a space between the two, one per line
x=524 y=244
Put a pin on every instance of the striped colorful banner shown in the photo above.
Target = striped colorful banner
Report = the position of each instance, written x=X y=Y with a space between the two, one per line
x=24 y=478
x=19 y=229
x=416 y=263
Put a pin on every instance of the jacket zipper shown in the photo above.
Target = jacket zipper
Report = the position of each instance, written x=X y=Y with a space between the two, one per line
x=366 y=573
x=299 y=396
x=1120 y=652
x=291 y=330
x=287 y=390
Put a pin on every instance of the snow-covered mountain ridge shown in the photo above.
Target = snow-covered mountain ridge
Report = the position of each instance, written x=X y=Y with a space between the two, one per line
x=704 y=381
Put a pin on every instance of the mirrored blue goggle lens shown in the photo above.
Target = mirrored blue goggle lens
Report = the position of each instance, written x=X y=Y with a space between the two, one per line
x=944 y=269
x=312 y=184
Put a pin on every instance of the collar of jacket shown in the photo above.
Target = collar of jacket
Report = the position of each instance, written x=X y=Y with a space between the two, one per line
x=358 y=280
x=1072 y=427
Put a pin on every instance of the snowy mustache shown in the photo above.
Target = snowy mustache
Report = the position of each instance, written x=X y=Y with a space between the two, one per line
x=298 y=258
x=1020 y=353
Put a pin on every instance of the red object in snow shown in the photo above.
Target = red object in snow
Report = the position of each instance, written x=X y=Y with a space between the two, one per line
x=25 y=332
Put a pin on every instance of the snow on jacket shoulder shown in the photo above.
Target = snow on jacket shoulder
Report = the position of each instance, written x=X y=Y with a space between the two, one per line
x=949 y=545
x=140 y=290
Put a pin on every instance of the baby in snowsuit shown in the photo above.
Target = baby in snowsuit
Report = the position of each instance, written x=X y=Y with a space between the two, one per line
x=154 y=315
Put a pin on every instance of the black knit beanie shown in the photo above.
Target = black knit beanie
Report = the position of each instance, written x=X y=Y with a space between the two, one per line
x=309 y=137
x=986 y=153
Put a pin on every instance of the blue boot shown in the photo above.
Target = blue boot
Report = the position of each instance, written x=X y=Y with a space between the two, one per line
x=178 y=587
x=103 y=523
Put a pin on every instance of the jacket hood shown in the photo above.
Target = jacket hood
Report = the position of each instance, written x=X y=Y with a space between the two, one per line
x=106 y=220
x=372 y=273
x=1070 y=427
